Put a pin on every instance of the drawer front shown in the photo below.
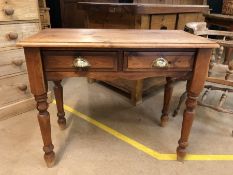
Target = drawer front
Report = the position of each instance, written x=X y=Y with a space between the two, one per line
x=151 y=61
x=14 y=88
x=12 y=33
x=64 y=60
x=11 y=10
x=12 y=61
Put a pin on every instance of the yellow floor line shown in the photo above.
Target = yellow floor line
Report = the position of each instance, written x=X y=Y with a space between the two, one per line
x=140 y=146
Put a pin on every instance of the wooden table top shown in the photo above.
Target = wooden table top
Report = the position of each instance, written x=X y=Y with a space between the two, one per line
x=116 y=38
x=140 y=8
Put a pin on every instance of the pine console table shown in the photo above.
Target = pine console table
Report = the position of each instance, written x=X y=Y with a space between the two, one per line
x=107 y=54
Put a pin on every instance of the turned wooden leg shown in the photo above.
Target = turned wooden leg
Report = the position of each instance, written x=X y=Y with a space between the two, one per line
x=194 y=87
x=45 y=127
x=166 y=104
x=136 y=95
x=188 y=117
x=58 y=91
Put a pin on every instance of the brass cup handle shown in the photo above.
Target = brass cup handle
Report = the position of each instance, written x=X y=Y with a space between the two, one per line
x=13 y=35
x=160 y=63
x=9 y=11
x=22 y=87
x=17 y=62
x=81 y=63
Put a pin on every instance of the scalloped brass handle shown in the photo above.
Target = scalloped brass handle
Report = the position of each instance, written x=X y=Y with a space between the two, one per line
x=22 y=87
x=13 y=35
x=9 y=11
x=160 y=63
x=17 y=62
x=81 y=63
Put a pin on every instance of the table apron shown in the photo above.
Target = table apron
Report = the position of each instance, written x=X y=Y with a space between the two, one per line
x=50 y=76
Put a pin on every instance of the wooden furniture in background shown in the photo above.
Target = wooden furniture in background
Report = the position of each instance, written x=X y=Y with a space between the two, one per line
x=182 y=2
x=42 y=3
x=71 y=16
x=107 y=54
x=18 y=19
x=227 y=8
x=220 y=69
x=224 y=21
x=44 y=15
x=45 y=18
x=76 y=18
x=139 y=16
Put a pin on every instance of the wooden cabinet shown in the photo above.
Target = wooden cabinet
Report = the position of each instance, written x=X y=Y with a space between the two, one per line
x=18 y=20
x=71 y=16
x=76 y=18
x=167 y=21
x=146 y=16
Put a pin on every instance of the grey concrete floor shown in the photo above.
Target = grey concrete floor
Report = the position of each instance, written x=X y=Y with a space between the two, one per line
x=84 y=149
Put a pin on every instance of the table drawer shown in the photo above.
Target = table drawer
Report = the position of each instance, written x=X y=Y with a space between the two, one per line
x=18 y=10
x=14 y=88
x=150 y=61
x=65 y=60
x=12 y=61
x=11 y=33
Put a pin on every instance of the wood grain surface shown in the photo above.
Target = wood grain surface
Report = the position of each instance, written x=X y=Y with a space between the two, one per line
x=144 y=8
x=14 y=88
x=17 y=32
x=116 y=38
x=12 y=61
x=22 y=10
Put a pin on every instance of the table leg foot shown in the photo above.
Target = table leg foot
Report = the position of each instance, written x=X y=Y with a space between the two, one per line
x=49 y=159
x=164 y=120
x=188 y=117
x=181 y=153
x=61 y=122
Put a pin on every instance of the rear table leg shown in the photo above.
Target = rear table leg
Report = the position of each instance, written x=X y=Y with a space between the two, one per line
x=166 y=104
x=58 y=91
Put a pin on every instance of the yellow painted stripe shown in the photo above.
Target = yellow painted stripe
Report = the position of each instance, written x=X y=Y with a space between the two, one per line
x=140 y=146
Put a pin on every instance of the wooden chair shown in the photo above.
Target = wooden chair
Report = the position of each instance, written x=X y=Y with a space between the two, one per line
x=220 y=64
